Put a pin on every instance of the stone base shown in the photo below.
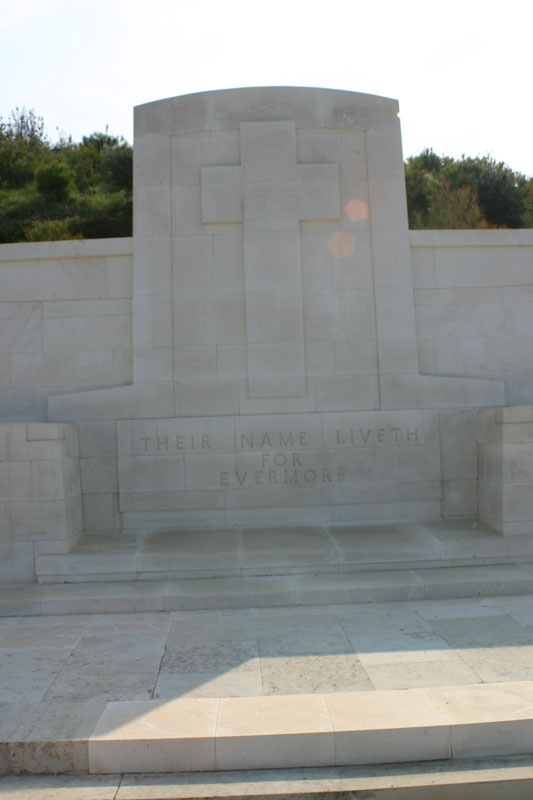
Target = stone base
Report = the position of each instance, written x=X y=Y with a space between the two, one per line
x=40 y=495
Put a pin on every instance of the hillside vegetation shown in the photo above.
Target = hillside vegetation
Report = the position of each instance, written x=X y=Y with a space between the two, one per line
x=69 y=190
x=83 y=190
x=443 y=192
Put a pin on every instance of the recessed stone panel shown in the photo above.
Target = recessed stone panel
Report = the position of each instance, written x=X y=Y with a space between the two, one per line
x=275 y=461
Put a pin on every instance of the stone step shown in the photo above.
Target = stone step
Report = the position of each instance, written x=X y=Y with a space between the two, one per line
x=349 y=728
x=210 y=735
x=495 y=778
x=22 y=599
x=313 y=549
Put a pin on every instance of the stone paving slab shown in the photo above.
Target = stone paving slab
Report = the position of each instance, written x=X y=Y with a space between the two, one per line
x=61 y=672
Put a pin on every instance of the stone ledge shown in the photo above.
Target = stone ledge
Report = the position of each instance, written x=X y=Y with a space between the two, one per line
x=78 y=248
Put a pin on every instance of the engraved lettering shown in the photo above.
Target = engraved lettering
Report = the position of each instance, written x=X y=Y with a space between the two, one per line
x=362 y=434
x=303 y=438
x=296 y=460
x=162 y=441
x=280 y=459
x=272 y=478
x=206 y=443
x=266 y=440
x=326 y=476
x=395 y=432
x=412 y=434
x=285 y=441
x=340 y=474
x=146 y=439
x=224 y=479
x=381 y=434
x=247 y=439
x=241 y=477
x=258 y=477
x=339 y=440
x=179 y=443
x=309 y=475
x=291 y=477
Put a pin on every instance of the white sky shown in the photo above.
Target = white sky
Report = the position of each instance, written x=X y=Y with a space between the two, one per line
x=462 y=71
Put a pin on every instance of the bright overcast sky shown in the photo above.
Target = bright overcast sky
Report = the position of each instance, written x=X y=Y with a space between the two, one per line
x=462 y=71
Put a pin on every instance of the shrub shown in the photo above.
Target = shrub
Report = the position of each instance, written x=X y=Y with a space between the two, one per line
x=54 y=179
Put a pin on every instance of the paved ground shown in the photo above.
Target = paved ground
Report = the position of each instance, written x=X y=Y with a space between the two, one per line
x=266 y=651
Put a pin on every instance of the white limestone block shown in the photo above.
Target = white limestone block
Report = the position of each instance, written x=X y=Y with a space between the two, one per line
x=196 y=362
x=152 y=265
x=152 y=364
x=231 y=361
x=69 y=279
x=155 y=737
x=345 y=393
x=86 y=333
x=153 y=321
x=392 y=260
x=151 y=212
x=62 y=369
x=388 y=205
x=192 y=262
x=97 y=439
x=424 y=273
x=395 y=314
x=98 y=475
x=320 y=357
x=228 y=267
x=398 y=355
x=272 y=262
x=352 y=270
x=273 y=317
x=186 y=207
x=205 y=319
x=294 y=730
x=21 y=335
x=428 y=391
x=164 y=473
x=99 y=512
x=151 y=161
x=460 y=498
x=122 y=402
x=206 y=398
x=482 y=266
x=119 y=273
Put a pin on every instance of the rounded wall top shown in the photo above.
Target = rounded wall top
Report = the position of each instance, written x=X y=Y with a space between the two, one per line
x=225 y=109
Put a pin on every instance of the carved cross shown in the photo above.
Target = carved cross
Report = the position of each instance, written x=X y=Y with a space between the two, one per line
x=270 y=194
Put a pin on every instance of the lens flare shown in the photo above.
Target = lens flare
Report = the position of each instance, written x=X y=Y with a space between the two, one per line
x=356 y=209
x=341 y=244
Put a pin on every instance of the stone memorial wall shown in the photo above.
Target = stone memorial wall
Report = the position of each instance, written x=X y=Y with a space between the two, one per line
x=273 y=344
